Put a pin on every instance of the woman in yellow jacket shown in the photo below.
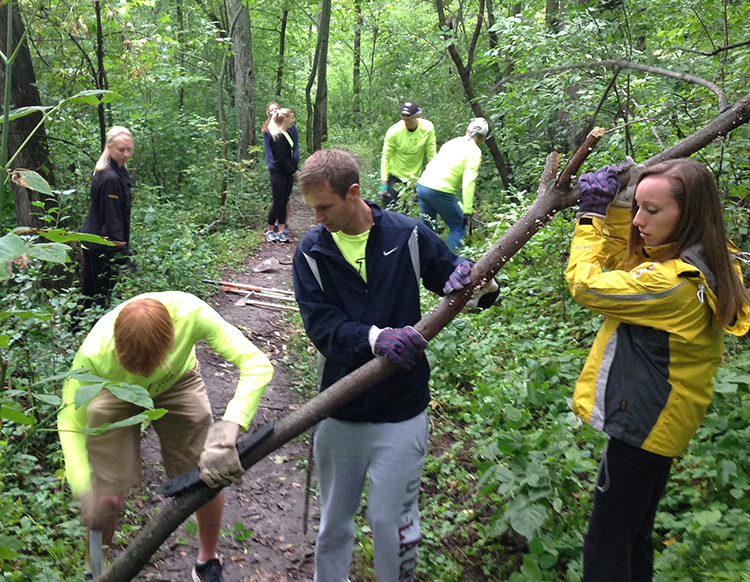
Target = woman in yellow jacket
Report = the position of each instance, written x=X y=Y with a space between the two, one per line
x=661 y=271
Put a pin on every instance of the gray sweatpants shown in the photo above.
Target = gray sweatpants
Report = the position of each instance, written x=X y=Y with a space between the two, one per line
x=393 y=455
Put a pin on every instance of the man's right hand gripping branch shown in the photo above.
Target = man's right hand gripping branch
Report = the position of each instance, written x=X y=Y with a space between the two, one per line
x=220 y=463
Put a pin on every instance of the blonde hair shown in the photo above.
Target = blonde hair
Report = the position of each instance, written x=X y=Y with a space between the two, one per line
x=116 y=132
x=277 y=121
x=144 y=335
x=269 y=113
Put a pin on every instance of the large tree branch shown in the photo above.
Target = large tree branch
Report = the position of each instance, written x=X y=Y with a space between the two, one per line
x=475 y=36
x=717 y=50
x=553 y=195
x=623 y=64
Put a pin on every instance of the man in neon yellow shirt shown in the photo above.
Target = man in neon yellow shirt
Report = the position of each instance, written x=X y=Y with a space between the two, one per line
x=406 y=145
x=149 y=342
x=457 y=164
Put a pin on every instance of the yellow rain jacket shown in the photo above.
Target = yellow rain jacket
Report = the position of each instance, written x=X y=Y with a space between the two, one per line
x=648 y=380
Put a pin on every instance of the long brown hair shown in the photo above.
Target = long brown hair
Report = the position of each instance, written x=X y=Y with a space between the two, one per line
x=701 y=221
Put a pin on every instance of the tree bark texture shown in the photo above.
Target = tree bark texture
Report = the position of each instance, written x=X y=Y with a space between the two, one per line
x=101 y=75
x=308 y=93
x=356 y=72
x=282 y=42
x=464 y=74
x=554 y=194
x=244 y=76
x=320 y=111
x=35 y=156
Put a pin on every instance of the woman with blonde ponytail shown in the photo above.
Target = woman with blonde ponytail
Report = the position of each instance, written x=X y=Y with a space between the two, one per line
x=282 y=170
x=109 y=216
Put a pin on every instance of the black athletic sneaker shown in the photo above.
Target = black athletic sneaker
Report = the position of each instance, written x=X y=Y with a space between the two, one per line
x=208 y=572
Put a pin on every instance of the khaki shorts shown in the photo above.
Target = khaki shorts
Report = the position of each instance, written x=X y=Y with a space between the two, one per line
x=115 y=455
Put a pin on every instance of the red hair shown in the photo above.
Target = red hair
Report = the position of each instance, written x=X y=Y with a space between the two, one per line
x=144 y=335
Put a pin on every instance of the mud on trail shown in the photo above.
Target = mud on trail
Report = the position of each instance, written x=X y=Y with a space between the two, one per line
x=262 y=539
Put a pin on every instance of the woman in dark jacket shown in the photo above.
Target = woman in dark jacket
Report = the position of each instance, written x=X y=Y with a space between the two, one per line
x=109 y=216
x=272 y=108
x=282 y=170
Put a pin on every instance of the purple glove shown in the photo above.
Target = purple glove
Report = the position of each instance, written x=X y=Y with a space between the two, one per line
x=459 y=278
x=598 y=189
x=401 y=345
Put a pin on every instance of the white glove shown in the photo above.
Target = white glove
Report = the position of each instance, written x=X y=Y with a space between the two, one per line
x=624 y=198
x=220 y=464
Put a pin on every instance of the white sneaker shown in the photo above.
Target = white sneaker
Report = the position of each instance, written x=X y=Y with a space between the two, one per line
x=270 y=236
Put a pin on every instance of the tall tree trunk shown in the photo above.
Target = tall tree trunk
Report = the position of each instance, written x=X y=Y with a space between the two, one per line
x=180 y=33
x=320 y=111
x=552 y=14
x=464 y=74
x=308 y=94
x=493 y=37
x=282 y=42
x=244 y=76
x=35 y=156
x=357 y=60
x=101 y=76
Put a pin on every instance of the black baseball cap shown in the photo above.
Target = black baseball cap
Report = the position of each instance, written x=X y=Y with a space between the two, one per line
x=409 y=109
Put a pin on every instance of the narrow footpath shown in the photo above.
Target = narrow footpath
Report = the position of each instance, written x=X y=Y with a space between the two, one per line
x=262 y=538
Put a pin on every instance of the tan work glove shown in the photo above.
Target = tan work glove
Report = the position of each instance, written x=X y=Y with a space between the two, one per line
x=220 y=464
x=624 y=198
x=101 y=513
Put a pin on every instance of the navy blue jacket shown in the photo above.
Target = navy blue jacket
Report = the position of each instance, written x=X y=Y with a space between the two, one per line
x=338 y=307
x=269 y=152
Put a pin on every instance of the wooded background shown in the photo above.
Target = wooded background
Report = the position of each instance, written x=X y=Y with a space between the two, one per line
x=509 y=479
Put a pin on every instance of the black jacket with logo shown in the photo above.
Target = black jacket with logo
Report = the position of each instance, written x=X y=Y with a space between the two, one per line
x=338 y=307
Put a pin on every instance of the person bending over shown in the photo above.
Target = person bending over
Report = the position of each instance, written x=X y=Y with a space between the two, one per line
x=149 y=341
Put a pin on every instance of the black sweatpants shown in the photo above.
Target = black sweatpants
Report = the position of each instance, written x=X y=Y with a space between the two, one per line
x=281 y=188
x=100 y=273
x=618 y=546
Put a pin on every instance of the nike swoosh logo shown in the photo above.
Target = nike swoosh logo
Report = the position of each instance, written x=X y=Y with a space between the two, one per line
x=386 y=253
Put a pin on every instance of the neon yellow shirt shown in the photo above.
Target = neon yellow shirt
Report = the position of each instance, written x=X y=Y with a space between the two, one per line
x=457 y=164
x=353 y=247
x=404 y=151
x=193 y=320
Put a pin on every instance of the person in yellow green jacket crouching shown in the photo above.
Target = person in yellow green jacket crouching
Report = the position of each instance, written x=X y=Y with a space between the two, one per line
x=149 y=342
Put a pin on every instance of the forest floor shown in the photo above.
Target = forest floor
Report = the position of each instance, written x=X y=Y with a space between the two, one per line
x=262 y=538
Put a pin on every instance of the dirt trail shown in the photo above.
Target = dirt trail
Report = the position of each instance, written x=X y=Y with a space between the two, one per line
x=268 y=544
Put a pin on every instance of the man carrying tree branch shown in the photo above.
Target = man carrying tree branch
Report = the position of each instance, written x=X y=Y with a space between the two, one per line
x=149 y=342
x=357 y=281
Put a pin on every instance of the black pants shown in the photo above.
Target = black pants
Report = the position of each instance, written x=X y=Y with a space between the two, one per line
x=391 y=195
x=618 y=546
x=281 y=188
x=100 y=273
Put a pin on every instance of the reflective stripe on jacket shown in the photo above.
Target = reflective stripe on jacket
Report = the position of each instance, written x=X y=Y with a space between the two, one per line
x=338 y=307
x=648 y=379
